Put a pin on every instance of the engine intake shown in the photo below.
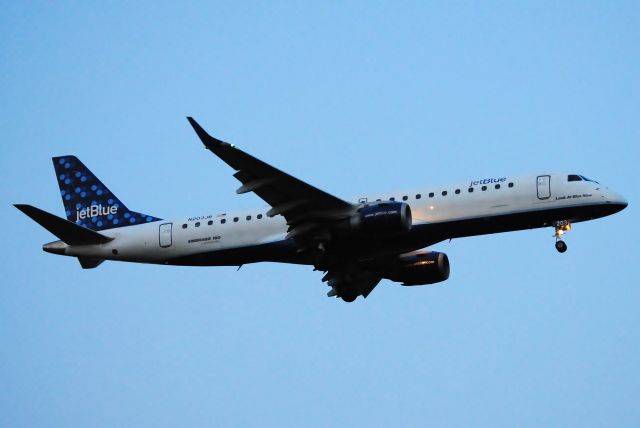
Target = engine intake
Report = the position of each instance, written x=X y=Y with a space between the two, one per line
x=420 y=268
x=382 y=217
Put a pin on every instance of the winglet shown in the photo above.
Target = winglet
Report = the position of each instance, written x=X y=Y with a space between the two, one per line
x=210 y=142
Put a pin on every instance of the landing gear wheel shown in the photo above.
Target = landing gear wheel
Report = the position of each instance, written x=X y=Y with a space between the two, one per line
x=349 y=297
x=561 y=246
x=562 y=227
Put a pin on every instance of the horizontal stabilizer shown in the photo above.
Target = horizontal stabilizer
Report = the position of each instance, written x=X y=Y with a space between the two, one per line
x=65 y=230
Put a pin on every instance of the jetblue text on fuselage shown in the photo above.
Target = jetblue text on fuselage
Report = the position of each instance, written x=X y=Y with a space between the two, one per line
x=488 y=181
x=95 y=210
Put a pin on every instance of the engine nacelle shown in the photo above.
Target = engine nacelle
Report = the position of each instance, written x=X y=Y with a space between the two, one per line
x=382 y=218
x=420 y=268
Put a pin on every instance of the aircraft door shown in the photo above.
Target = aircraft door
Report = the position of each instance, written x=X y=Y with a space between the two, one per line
x=165 y=235
x=544 y=186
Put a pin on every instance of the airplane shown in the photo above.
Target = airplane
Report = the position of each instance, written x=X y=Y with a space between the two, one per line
x=355 y=243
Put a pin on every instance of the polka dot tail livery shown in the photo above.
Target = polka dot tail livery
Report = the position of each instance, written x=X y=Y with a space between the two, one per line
x=88 y=202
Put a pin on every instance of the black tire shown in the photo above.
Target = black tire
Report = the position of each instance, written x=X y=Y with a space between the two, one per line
x=561 y=246
x=349 y=297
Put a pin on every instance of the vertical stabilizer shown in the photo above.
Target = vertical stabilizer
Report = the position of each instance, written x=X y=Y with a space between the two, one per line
x=88 y=202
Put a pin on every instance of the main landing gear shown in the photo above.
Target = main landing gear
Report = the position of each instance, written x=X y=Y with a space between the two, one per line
x=561 y=227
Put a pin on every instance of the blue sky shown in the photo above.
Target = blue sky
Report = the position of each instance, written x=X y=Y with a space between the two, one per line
x=352 y=98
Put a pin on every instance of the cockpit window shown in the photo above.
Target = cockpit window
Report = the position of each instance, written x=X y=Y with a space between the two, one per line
x=574 y=177
x=588 y=179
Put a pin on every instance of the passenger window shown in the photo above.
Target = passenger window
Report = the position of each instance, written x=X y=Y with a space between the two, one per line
x=444 y=193
x=235 y=219
x=184 y=226
x=404 y=198
x=248 y=217
x=484 y=188
x=418 y=196
x=470 y=189
x=259 y=216
x=378 y=200
x=497 y=186
x=210 y=222
x=392 y=199
x=223 y=221
x=197 y=224
x=510 y=184
x=431 y=195
x=457 y=191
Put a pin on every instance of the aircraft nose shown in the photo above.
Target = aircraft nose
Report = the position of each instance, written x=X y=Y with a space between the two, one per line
x=618 y=201
x=623 y=202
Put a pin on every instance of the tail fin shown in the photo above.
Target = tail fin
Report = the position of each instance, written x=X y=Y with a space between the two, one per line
x=88 y=202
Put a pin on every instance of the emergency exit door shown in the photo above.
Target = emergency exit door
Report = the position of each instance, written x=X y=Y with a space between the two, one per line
x=165 y=235
x=544 y=186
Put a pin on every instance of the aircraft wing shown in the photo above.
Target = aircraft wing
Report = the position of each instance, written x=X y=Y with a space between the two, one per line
x=304 y=207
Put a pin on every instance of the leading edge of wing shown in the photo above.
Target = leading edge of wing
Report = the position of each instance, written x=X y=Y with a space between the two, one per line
x=259 y=176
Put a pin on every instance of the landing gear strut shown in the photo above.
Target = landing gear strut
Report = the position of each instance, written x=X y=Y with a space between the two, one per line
x=561 y=227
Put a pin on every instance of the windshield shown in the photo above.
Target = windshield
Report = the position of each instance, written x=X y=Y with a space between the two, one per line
x=588 y=179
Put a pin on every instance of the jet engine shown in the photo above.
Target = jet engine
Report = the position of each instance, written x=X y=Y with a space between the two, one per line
x=420 y=268
x=382 y=218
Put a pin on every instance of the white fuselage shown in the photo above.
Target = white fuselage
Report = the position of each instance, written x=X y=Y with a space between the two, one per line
x=531 y=199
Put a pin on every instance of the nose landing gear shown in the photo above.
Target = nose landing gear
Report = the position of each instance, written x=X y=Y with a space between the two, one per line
x=561 y=227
